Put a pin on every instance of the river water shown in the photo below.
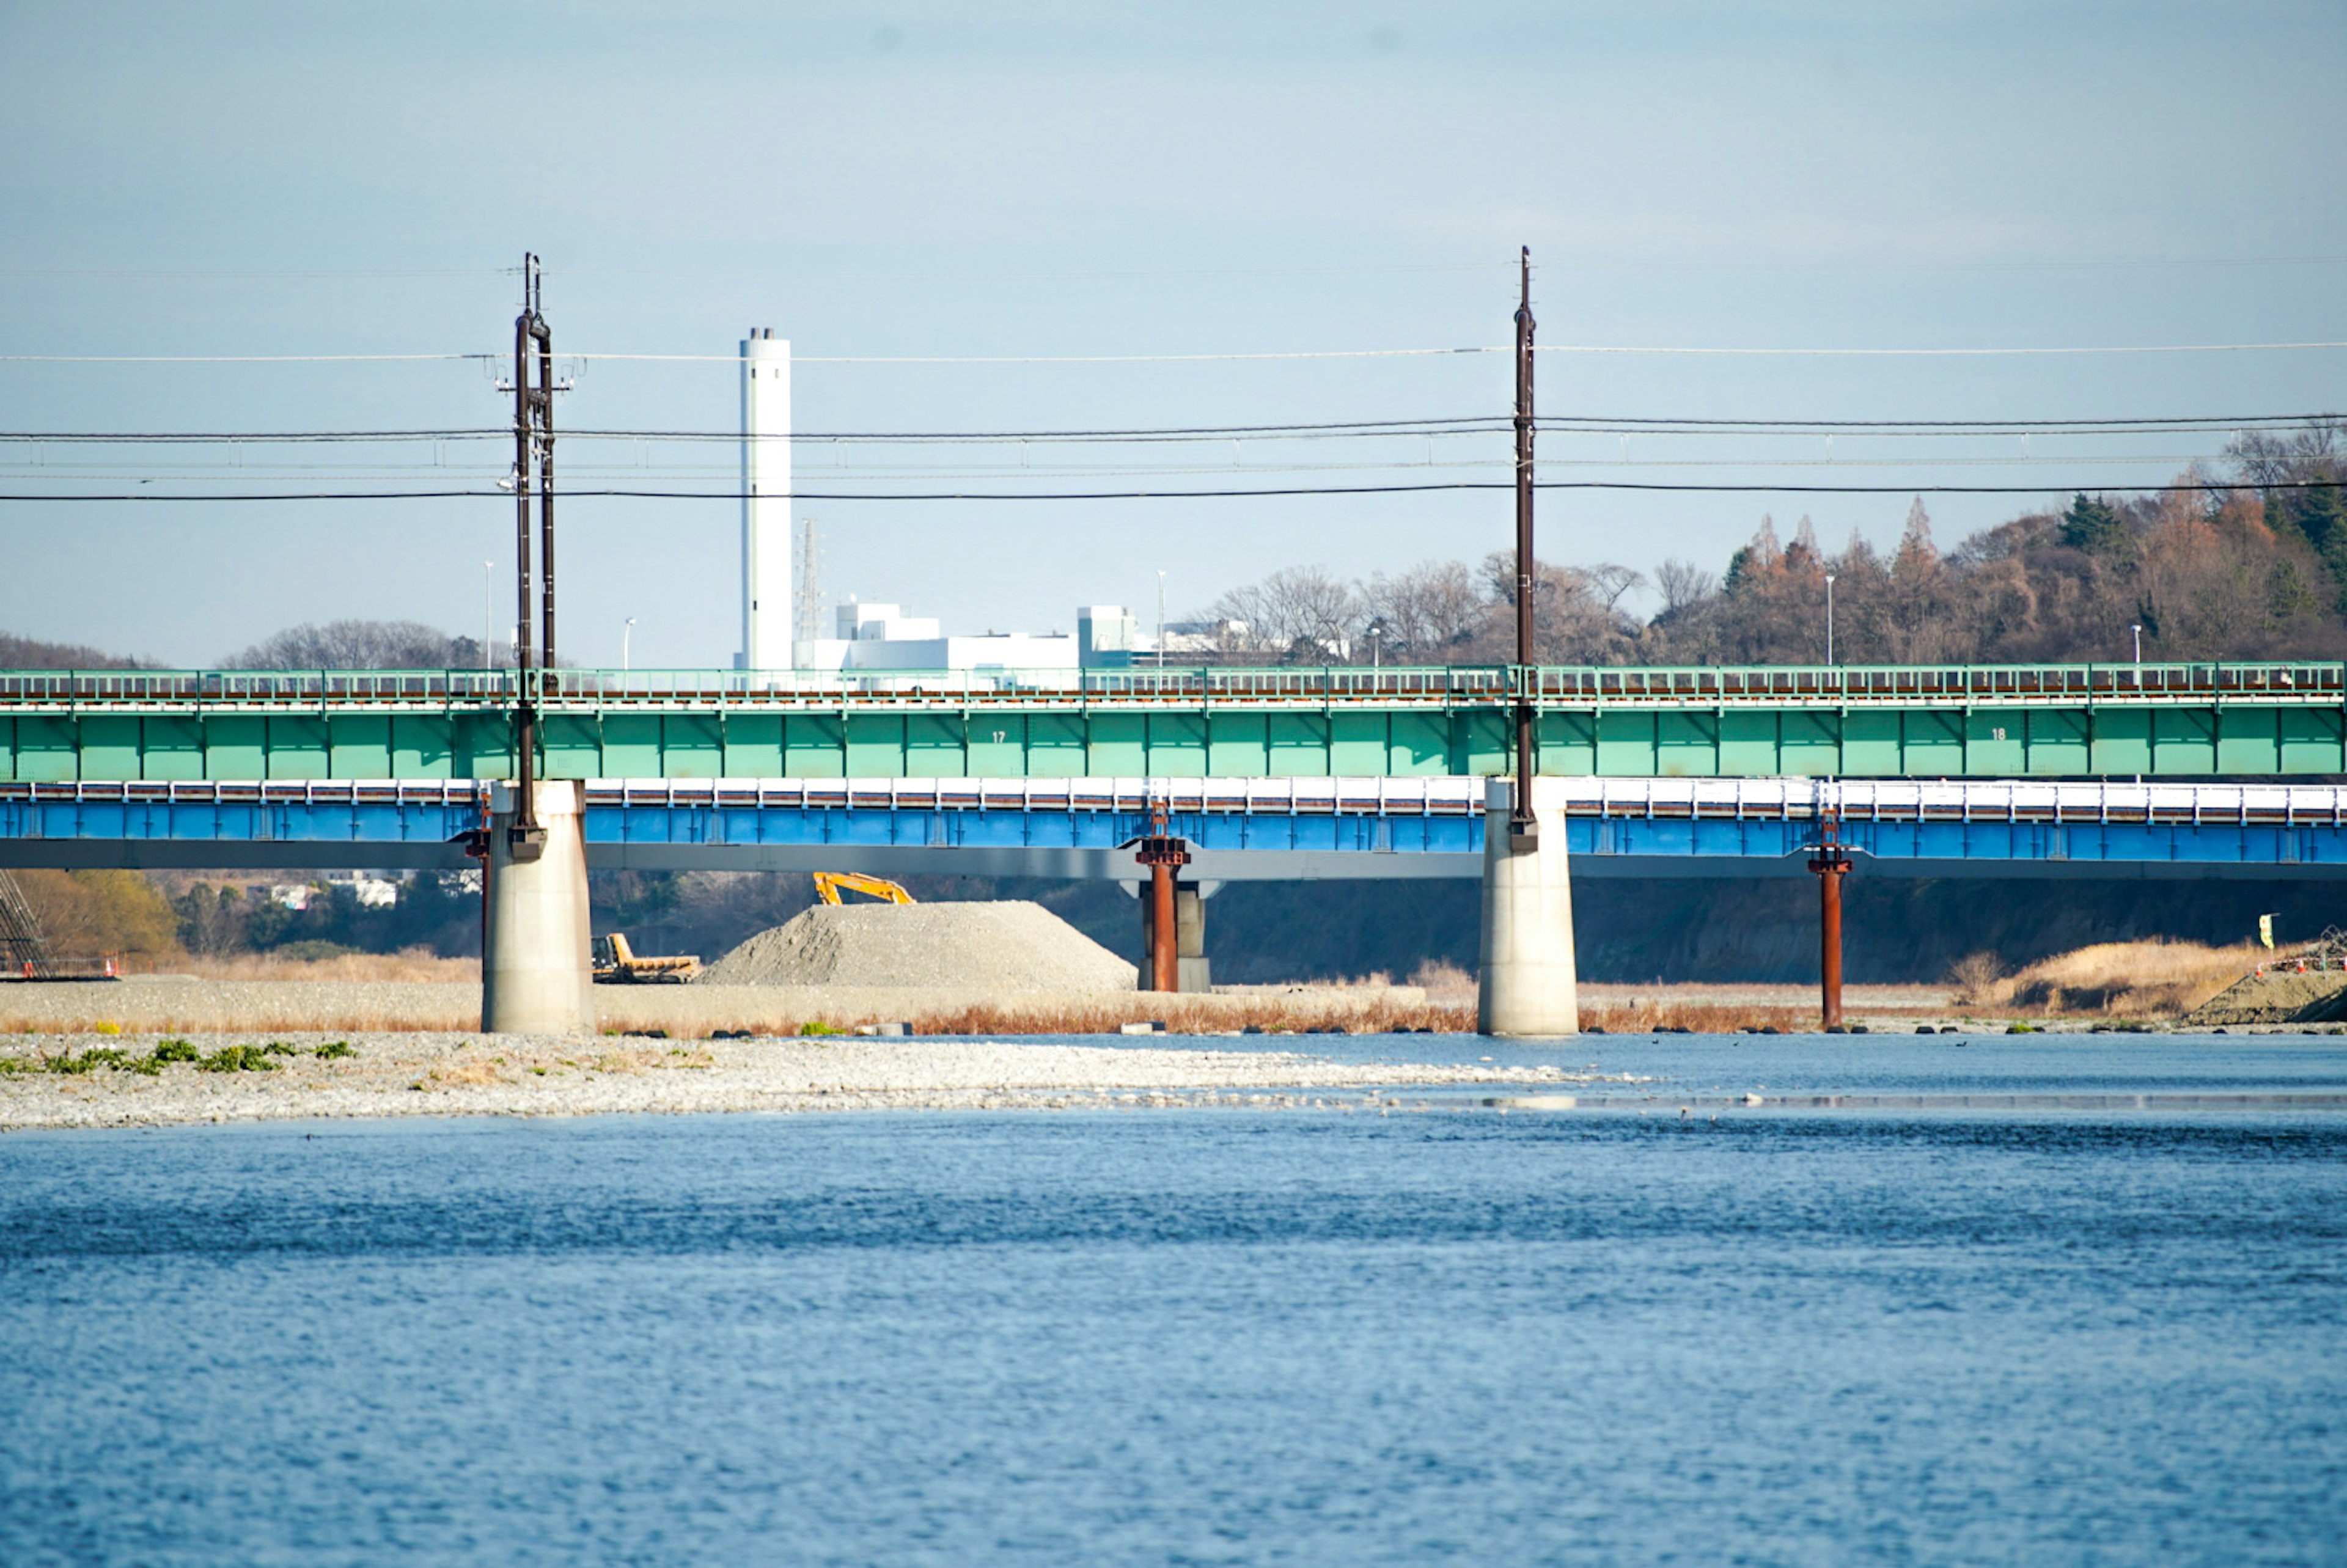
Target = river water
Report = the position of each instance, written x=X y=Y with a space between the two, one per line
x=1985 y=1329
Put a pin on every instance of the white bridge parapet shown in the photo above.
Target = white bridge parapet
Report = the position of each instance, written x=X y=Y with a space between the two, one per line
x=1710 y=799
x=1961 y=799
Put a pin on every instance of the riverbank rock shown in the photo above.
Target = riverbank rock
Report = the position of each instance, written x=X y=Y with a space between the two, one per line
x=2278 y=997
x=1011 y=945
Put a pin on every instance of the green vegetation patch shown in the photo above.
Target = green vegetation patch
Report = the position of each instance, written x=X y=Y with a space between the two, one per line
x=238 y=1058
x=228 y=1059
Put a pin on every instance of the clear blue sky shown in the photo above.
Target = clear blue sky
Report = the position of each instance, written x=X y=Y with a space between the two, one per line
x=903 y=180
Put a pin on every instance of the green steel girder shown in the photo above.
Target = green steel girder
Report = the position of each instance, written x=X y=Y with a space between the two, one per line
x=2173 y=739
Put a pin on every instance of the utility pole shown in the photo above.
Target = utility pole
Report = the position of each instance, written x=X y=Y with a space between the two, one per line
x=1523 y=828
x=533 y=450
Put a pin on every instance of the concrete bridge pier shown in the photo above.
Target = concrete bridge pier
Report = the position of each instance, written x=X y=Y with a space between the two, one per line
x=1530 y=986
x=536 y=977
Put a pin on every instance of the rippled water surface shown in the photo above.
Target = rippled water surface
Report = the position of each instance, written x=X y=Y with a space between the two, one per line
x=1223 y=1335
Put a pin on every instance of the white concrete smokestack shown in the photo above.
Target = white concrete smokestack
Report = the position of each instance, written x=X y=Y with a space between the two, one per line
x=766 y=506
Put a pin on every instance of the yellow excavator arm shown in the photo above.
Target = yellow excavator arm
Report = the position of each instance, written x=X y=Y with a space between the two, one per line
x=828 y=884
x=617 y=963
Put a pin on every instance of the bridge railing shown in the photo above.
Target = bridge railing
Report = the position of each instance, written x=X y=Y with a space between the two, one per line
x=253 y=687
x=1187 y=685
x=1858 y=683
x=1919 y=801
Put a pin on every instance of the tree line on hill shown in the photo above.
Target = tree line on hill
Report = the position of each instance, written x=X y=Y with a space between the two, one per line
x=152 y=919
x=2247 y=559
x=335 y=645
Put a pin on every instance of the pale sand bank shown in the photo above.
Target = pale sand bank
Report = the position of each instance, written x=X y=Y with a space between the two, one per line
x=181 y=1005
x=175 y=1004
x=416 y=1073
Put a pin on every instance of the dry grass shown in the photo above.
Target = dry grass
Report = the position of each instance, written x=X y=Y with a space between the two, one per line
x=411 y=965
x=1695 y=1018
x=1441 y=978
x=2152 y=979
x=164 y=1008
x=472 y=1072
x=1974 y=979
x=1373 y=1014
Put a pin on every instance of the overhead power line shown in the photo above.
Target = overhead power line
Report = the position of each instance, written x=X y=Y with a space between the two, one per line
x=239 y=358
x=1933 y=353
x=1989 y=352
x=1567 y=265
x=624 y=472
x=1203 y=431
x=1633 y=424
x=1594 y=424
x=206 y=272
x=736 y=496
x=1434 y=352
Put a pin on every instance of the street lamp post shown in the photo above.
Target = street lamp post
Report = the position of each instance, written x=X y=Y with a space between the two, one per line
x=2138 y=643
x=627 y=636
x=1829 y=657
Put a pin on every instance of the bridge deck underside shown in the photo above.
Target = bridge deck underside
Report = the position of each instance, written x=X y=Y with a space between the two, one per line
x=1240 y=828
x=2183 y=739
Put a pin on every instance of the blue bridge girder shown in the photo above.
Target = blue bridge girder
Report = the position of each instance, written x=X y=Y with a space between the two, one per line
x=1252 y=828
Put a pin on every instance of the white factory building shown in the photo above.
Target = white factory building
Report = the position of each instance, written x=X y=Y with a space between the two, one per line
x=882 y=637
x=781 y=620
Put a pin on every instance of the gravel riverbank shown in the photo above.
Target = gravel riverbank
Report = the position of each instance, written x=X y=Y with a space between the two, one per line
x=418 y=1074
x=172 y=1004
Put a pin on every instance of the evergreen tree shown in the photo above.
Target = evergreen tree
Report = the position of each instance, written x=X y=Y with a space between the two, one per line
x=2319 y=516
x=2090 y=525
x=2288 y=597
x=1755 y=560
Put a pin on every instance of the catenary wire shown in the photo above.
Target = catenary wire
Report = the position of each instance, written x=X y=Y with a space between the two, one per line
x=1760 y=489
x=392 y=472
x=1568 y=424
x=575 y=354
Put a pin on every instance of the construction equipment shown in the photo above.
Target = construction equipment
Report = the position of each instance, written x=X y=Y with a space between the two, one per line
x=827 y=886
x=617 y=964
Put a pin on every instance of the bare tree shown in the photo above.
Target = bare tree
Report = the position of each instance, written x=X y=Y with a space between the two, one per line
x=1685 y=587
x=1301 y=610
x=359 y=645
x=1577 y=617
x=1607 y=582
x=1427 y=614
x=28 y=653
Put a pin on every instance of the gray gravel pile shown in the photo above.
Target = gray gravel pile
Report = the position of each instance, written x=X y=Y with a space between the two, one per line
x=1011 y=946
